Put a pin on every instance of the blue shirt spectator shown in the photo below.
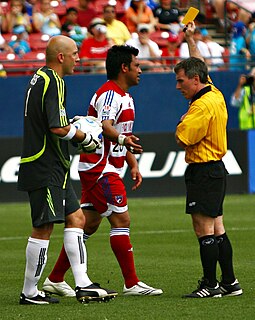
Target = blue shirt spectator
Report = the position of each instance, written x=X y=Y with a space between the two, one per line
x=20 y=46
x=238 y=51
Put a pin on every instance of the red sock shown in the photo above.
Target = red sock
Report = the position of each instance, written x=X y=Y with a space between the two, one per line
x=60 y=268
x=122 y=249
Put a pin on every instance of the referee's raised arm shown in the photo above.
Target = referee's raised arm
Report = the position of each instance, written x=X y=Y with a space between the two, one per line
x=193 y=50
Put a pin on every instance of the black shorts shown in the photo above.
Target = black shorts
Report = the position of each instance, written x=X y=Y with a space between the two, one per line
x=206 y=188
x=52 y=204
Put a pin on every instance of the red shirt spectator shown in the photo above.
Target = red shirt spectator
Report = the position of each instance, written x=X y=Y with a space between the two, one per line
x=85 y=13
x=96 y=47
x=171 y=50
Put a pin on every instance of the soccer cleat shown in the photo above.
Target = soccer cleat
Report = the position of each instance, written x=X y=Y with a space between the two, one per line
x=60 y=288
x=141 y=289
x=41 y=298
x=95 y=293
x=203 y=291
x=233 y=289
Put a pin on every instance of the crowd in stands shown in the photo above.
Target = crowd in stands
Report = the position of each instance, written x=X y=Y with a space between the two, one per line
x=153 y=26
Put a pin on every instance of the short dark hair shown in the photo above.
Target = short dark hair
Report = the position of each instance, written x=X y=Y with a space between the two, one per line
x=71 y=9
x=192 y=67
x=116 y=56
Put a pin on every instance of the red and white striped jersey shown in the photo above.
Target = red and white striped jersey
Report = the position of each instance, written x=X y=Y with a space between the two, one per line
x=109 y=102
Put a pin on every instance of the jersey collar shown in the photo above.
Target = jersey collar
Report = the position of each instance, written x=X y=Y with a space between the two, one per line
x=201 y=93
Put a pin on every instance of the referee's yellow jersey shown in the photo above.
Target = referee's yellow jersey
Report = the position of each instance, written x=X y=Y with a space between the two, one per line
x=203 y=129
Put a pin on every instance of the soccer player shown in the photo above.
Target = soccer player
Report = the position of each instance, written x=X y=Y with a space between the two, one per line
x=202 y=133
x=103 y=191
x=44 y=174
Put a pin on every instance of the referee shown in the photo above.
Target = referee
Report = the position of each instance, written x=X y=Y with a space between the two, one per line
x=202 y=133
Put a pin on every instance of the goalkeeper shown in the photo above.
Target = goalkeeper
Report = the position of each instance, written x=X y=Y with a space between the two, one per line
x=44 y=174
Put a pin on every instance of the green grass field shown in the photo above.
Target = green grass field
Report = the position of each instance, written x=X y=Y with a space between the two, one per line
x=166 y=254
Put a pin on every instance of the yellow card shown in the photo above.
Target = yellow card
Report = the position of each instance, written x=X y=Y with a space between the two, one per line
x=190 y=15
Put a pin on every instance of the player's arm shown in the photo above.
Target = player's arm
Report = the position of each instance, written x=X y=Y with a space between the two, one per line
x=193 y=50
x=78 y=135
x=134 y=170
x=70 y=132
x=130 y=142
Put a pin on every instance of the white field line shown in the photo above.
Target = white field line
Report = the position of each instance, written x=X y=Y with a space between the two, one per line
x=132 y=233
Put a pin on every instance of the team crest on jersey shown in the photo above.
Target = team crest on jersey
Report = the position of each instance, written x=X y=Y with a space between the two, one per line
x=119 y=199
x=106 y=112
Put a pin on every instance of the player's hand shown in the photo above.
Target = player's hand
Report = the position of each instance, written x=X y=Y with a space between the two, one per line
x=242 y=80
x=132 y=146
x=90 y=144
x=136 y=177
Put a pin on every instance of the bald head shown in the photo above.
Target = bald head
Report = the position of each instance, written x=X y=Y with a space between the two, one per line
x=56 y=45
x=62 y=55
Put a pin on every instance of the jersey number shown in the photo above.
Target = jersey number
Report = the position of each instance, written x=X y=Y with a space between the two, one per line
x=118 y=148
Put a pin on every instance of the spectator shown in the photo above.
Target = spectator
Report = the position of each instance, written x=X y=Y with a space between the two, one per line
x=3 y=45
x=245 y=11
x=242 y=11
x=150 y=3
x=16 y=16
x=85 y=13
x=238 y=53
x=96 y=47
x=250 y=38
x=45 y=20
x=137 y=13
x=172 y=51
x=215 y=49
x=116 y=29
x=168 y=17
x=149 y=52
x=243 y=98
x=71 y=28
x=30 y=7
x=20 y=46
x=202 y=47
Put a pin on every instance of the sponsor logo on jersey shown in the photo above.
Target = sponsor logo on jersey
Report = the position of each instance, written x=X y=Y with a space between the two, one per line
x=62 y=112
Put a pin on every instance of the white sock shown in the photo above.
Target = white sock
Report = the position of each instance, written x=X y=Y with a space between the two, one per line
x=77 y=255
x=36 y=258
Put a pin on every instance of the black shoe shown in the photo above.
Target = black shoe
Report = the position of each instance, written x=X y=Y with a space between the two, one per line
x=204 y=291
x=94 y=292
x=41 y=298
x=233 y=289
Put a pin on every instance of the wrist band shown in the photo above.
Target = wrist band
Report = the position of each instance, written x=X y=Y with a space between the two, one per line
x=88 y=139
x=121 y=139
x=71 y=133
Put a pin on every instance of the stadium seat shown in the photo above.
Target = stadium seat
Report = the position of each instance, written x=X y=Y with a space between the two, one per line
x=59 y=8
x=38 y=41
x=160 y=37
x=8 y=37
x=34 y=60
x=13 y=64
